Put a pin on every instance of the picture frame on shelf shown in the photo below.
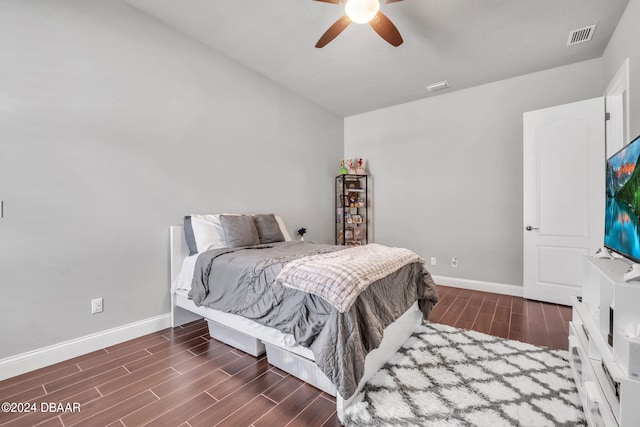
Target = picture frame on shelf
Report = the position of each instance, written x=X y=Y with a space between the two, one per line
x=353 y=184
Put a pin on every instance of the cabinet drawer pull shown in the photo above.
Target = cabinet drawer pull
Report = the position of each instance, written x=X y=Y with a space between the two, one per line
x=614 y=384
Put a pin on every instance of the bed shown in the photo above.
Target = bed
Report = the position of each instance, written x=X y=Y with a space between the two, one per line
x=314 y=361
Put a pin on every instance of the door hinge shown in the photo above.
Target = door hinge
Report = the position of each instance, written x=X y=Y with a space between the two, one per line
x=607 y=116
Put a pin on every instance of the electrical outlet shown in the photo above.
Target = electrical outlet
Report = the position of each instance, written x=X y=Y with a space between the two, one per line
x=454 y=262
x=96 y=306
x=433 y=260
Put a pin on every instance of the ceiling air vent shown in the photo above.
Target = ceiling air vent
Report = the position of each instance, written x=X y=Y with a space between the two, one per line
x=581 y=35
x=438 y=86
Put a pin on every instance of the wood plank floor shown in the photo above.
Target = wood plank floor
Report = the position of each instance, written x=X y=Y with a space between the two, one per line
x=534 y=322
x=182 y=377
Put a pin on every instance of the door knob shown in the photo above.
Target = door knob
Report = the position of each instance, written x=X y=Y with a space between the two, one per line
x=529 y=228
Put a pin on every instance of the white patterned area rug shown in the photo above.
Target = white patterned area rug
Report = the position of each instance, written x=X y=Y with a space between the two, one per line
x=444 y=376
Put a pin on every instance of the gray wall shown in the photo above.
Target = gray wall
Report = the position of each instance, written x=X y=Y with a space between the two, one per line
x=447 y=171
x=624 y=44
x=112 y=127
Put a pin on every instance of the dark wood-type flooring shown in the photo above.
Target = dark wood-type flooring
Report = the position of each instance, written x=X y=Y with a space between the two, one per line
x=182 y=377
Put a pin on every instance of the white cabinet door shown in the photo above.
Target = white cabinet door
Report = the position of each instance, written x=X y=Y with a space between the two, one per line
x=564 y=170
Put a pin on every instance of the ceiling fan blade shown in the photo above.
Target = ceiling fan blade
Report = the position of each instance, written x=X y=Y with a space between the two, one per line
x=387 y=1
x=337 y=1
x=333 y=31
x=385 y=28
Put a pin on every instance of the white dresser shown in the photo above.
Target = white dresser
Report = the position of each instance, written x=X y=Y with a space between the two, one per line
x=609 y=396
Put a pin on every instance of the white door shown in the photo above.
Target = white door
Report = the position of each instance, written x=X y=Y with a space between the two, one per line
x=564 y=197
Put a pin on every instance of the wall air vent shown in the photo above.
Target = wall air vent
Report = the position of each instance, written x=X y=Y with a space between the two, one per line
x=581 y=35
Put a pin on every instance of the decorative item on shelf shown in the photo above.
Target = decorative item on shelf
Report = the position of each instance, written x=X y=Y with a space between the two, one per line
x=360 y=170
x=351 y=167
x=357 y=233
x=301 y=232
x=343 y=170
x=352 y=184
x=353 y=200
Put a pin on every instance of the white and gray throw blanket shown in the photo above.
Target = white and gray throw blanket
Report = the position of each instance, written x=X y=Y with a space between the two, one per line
x=339 y=277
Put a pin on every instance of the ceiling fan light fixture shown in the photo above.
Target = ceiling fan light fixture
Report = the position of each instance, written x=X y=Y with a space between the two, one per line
x=361 y=11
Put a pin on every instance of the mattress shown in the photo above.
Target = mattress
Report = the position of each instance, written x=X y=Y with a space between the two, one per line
x=184 y=278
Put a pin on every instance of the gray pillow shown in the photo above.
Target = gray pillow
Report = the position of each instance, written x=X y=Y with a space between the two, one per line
x=268 y=228
x=189 y=236
x=239 y=230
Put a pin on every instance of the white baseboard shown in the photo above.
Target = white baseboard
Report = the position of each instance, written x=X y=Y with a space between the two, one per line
x=478 y=285
x=36 y=359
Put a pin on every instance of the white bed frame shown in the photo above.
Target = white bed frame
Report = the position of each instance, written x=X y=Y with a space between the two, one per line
x=184 y=311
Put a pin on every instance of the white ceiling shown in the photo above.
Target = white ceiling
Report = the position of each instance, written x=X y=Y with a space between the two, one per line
x=467 y=42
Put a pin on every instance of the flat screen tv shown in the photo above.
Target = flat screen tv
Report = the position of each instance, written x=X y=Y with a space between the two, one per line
x=622 y=217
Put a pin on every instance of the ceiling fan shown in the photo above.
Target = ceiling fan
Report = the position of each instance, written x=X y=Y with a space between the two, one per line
x=362 y=12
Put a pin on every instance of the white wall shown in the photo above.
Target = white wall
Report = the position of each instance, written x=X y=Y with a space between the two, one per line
x=112 y=127
x=447 y=170
x=624 y=44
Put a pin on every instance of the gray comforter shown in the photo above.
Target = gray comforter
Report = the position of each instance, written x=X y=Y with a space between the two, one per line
x=242 y=281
